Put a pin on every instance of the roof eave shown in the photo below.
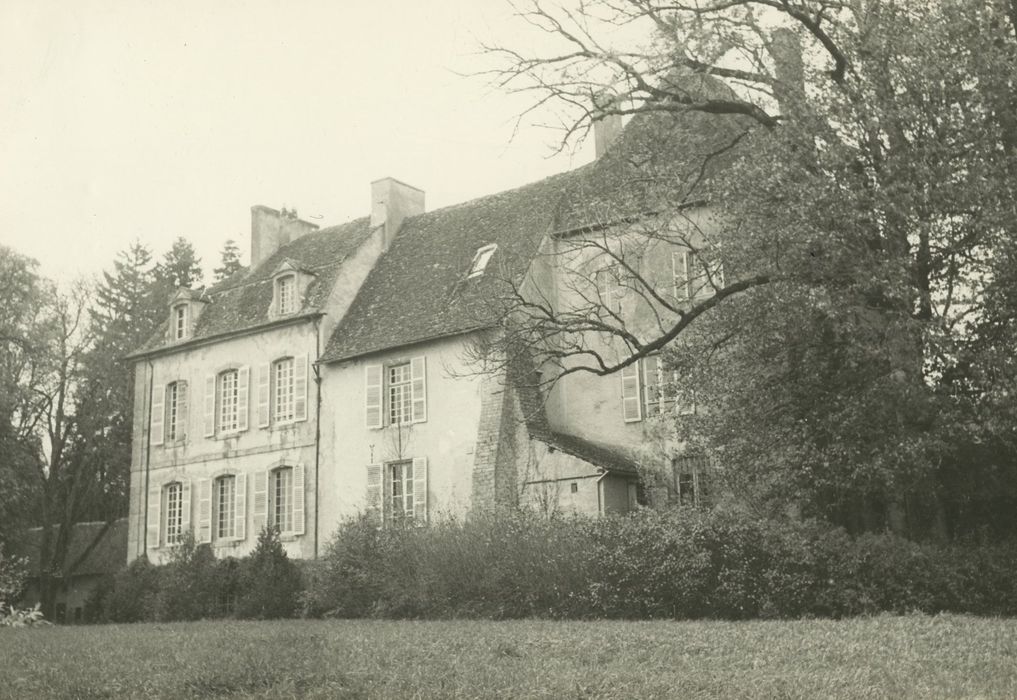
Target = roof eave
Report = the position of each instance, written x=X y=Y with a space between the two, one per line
x=326 y=360
x=217 y=337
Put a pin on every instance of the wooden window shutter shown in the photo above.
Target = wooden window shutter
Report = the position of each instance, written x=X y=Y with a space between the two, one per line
x=204 y=511
x=651 y=389
x=180 y=429
x=375 y=507
x=240 y=506
x=154 y=519
x=185 y=505
x=300 y=387
x=260 y=518
x=373 y=394
x=631 y=410
x=210 y=406
x=298 y=500
x=264 y=394
x=420 y=490
x=243 y=402
x=158 y=415
x=418 y=372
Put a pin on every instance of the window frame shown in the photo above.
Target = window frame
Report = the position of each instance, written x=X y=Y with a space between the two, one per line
x=481 y=259
x=181 y=321
x=280 y=485
x=219 y=494
x=221 y=402
x=172 y=495
x=276 y=367
x=404 y=389
x=400 y=473
x=286 y=304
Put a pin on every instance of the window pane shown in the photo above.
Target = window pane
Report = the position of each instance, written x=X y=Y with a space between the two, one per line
x=229 y=398
x=284 y=390
x=225 y=502
x=400 y=394
x=281 y=512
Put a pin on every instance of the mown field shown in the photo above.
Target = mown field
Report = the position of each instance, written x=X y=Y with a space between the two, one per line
x=884 y=657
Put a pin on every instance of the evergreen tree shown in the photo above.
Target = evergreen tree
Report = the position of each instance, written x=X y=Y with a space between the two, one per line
x=180 y=266
x=229 y=259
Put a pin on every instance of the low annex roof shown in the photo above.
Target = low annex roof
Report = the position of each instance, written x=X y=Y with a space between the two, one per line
x=108 y=555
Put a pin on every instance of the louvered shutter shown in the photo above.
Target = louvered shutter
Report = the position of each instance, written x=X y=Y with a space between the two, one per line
x=651 y=388
x=260 y=501
x=374 y=501
x=300 y=387
x=204 y=511
x=210 y=406
x=687 y=263
x=185 y=505
x=420 y=490
x=180 y=429
x=298 y=500
x=158 y=415
x=418 y=372
x=240 y=506
x=631 y=410
x=243 y=402
x=264 y=394
x=154 y=502
x=373 y=395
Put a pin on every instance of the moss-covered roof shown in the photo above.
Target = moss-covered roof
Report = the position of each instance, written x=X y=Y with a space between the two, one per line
x=107 y=557
x=243 y=301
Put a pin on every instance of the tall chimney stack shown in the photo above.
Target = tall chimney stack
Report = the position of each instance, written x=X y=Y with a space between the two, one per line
x=607 y=127
x=271 y=230
x=391 y=202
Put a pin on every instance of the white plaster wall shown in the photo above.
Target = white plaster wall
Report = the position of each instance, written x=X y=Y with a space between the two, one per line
x=199 y=457
x=447 y=439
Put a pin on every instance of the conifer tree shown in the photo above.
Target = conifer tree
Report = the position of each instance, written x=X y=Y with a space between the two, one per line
x=229 y=261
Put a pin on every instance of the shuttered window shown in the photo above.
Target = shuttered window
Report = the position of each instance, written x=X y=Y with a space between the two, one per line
x=226 y=401
x=400 y=477
x=283 y=375
x=396 y=394
x=398 y=492
x=229 y=400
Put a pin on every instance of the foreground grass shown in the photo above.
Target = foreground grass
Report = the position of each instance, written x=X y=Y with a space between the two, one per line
x=886 y=657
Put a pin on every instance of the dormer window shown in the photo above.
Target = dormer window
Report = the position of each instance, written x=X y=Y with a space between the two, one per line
x=481 y=259
x=286 y=294
x=180 y=322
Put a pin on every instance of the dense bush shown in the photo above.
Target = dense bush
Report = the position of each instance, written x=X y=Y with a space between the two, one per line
x=133 y=593
x=188 y=586
x=721 y=563
x=269 y=583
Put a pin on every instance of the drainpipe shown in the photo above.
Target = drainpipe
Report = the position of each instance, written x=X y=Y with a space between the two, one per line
x=146 y=431
x=317 y=429
x=600 y=492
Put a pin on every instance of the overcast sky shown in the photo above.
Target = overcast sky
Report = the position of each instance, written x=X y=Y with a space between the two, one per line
x=128 y=119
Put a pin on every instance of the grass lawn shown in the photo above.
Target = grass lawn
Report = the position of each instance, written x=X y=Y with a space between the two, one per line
x=885 y=657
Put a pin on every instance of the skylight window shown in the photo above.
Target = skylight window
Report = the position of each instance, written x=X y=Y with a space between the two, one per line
x=481 y=259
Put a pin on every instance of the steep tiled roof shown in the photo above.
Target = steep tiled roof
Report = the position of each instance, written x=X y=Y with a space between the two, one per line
x=419 y=289
x=243 y=300
x=107 y=557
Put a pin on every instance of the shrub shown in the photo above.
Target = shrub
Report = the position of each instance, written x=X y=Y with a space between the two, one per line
x=269 y=583
x=133 y=594
x=188 y=586
x=13 y=573
x=11 y=616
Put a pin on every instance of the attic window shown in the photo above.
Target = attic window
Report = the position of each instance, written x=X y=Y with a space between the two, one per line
x=481 y=259
x=286 y=294
x=180 y=322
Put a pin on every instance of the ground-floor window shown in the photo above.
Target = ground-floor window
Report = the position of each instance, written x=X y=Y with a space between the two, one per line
x=225 y=500
x=400 y=476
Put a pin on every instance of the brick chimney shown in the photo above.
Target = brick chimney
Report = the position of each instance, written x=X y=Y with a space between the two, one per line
x=271 y=230
x=789 y=88
x=391 y=202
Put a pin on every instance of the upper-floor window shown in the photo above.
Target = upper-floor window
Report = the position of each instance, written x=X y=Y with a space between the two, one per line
x=649 y=388
x=689 y=480
x=176 y=411
x=283 y=376
x=180 y=322
x=396 y=394
x=226 y=401
x=400 y=394
x=229 y=400
x=481 y=259
x=173 y=509
x=286 y=294
x=280 y=511
x=693 y=277
x=224 y=497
